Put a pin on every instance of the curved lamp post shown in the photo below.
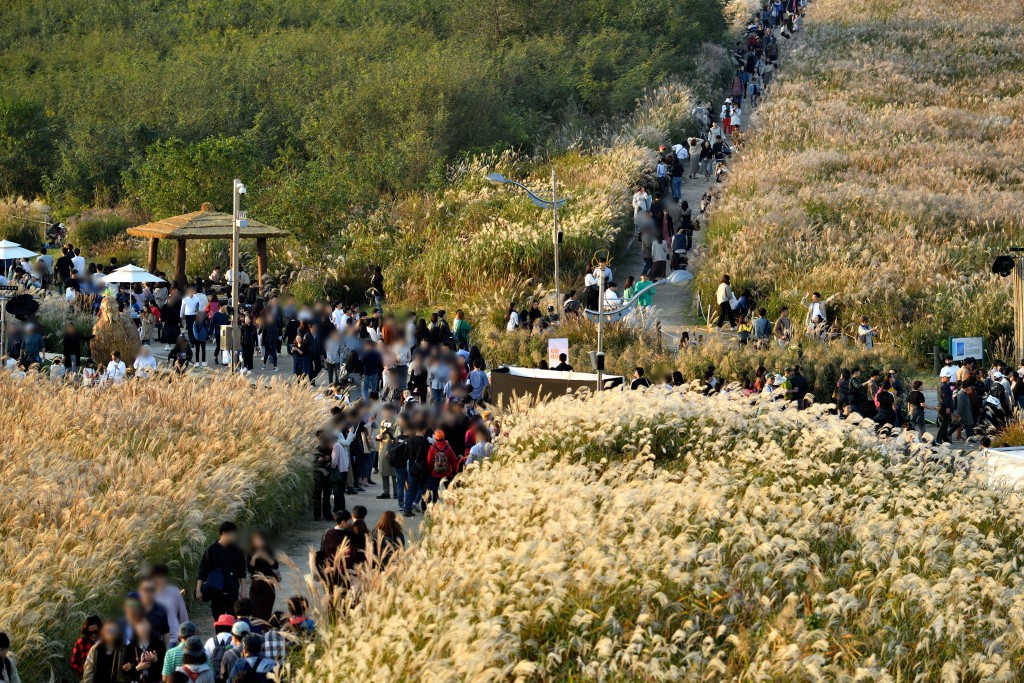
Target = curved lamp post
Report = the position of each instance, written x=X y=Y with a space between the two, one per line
x=554 y=204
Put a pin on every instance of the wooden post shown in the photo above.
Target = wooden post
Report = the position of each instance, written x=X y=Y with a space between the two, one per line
x=261 y=259
x=1018 y=308
x=179 y=264
x=154 y=244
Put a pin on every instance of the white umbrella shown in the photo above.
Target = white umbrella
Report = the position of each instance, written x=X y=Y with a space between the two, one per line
x=131 y=274
x=11 y=250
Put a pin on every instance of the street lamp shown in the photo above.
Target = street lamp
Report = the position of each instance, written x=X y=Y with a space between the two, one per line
x=237 y=223
x=554 y=204
x=1014 y=265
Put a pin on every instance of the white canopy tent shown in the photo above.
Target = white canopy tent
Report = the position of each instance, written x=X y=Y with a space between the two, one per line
x=12 y=250
x=130 y=274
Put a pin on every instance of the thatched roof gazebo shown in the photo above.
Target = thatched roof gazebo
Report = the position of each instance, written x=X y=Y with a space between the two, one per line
x=204 y=224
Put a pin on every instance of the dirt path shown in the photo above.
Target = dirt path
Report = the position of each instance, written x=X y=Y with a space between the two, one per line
x=673 y=304
x=294 y=545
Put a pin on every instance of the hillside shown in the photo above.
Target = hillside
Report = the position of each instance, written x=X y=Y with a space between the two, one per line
x=887 y=161
x=332 y=105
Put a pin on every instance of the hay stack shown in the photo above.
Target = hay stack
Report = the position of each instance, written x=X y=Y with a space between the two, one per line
x=114 y=331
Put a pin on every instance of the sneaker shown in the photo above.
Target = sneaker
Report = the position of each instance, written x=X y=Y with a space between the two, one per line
x=203 y=364
x=407 y=513
x=360 y=489
x=383 y=496
x=371 y=482
x=167 y=348
x=350 y=491
x=376 y=470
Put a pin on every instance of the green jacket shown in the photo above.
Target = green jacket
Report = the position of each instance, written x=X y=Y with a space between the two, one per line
x=646 y=292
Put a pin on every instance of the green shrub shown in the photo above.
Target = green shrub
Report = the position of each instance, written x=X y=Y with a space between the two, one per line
x=95 y=227
x=28 y=235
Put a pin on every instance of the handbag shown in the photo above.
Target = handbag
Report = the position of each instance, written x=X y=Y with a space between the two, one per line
x=214 y=584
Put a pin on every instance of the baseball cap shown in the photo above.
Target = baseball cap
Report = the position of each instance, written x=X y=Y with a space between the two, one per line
x=240 y=629
x=187 y=630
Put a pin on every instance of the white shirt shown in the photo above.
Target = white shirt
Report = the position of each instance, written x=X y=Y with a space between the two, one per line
x=115 y=371
x=949 y=371
x=243 y=277
x=816 y=311
x=724 y=294
x=191 y=305
x=78 y=262
x=513 y=321
x=607 y=275
x=211 y=643
x=339 y=319
x=143 y=365
x=659 y=251
x=641 y=202
x=611 y=299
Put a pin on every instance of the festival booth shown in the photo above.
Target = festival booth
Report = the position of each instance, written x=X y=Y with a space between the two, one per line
x=508 y=383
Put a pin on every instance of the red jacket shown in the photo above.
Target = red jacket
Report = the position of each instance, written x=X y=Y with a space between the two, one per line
x=441 y=449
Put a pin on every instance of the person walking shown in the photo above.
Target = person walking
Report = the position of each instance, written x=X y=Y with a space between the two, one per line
x=222 y=572
x=441 y=464
x=264 y=576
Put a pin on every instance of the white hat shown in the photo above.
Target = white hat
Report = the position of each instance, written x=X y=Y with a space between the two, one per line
x=779 y=379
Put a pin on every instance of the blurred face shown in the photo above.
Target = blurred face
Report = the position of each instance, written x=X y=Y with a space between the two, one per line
x=110 y=635
x=148 y=591
x=93 y=632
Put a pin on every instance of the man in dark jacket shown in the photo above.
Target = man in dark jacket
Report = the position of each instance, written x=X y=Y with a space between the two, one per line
x=418 y=447
x=946 y=406
x=222 y=572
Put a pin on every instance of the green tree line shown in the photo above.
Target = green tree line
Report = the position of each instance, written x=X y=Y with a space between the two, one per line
x=331 y=104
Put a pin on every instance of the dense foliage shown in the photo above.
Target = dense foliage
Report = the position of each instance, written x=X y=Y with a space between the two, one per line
x=884 y=168
x=335 y=102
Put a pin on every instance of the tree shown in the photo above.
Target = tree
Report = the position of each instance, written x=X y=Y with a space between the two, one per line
x=176 y=177
x=26 y=147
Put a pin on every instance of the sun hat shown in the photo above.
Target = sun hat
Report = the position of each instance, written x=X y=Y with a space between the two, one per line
x=779 y=379
x=194 y=647
x=187 y=630
x=225 y=620
x=240 y=629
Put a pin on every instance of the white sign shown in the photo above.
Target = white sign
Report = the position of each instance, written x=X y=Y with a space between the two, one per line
x=966 y=347
x=556 y=347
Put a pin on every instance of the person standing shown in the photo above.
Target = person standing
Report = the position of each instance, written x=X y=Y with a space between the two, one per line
x=169 y=597
x=107 y=658
x=915 y=407
x=724 y=297
x=192 y=306
x=817 y=314
x=222 y=572
x=964 y=411
x=945 y=409
x=866 y=333
x=784 y=328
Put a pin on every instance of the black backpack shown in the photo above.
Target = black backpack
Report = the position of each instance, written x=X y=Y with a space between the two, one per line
x=254 y=675
x=398 y=453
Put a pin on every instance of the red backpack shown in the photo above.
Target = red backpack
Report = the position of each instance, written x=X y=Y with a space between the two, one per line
x=442 y=465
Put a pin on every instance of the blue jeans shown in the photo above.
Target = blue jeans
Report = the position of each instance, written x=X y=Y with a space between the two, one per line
x=437 y=395
x=401 y=481
x=677 y=187
x=414 y=495
x=647 y=265
x=433 y=486
x=370 y=383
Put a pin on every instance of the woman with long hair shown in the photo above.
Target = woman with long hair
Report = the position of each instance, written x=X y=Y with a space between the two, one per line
x=263 y=571
x=388 y=538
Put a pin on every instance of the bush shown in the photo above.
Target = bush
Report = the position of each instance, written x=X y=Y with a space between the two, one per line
x=55 y=313
x=28 y=235
x=97 y=226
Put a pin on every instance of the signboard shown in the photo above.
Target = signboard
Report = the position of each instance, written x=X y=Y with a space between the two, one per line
x=556 y=347
x=966 y=347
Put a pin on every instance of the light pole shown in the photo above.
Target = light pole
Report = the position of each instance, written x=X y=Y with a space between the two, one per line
x=1014 y=265
x=554 y=204
x=237 y=223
